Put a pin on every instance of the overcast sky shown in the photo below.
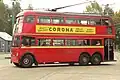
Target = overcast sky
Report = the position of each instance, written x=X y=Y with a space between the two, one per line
x=58 y=3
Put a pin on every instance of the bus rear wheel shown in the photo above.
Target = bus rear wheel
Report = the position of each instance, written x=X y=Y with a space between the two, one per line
x=84 y=59
x=26 y=61
x=96 y=59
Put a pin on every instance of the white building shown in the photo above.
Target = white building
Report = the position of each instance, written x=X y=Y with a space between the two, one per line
x=5 y=42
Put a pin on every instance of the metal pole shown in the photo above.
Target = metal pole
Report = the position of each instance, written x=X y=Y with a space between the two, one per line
x=13 y=14
x=108 y=49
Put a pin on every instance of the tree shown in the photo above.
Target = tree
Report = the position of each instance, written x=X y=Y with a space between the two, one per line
x=116 y=19
x=5 y=16
x=16 y=8
x=94 y=8
x=2 y=10
x=30 y=7
x=108 y=10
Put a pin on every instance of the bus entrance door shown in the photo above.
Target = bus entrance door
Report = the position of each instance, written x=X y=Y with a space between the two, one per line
x=108 y=50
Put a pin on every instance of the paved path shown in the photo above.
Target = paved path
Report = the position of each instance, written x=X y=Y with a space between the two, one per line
x=105 y=71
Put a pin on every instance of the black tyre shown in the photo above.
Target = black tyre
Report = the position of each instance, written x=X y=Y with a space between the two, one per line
x=26 y=61
x=84 y=59
x=96 y=59
x=17 y=64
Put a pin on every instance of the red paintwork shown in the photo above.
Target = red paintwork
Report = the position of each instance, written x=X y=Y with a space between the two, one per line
x=61 y=54
x=55 y=55
x=30 y=27
x=14 y=57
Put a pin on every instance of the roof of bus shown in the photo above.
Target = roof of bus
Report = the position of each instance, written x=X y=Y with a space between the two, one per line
x=30 y=12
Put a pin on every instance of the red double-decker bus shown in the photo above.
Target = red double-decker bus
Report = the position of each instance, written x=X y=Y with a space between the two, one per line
x=49 y=37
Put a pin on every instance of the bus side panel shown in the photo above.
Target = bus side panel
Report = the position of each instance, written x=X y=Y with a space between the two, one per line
x=63 y=54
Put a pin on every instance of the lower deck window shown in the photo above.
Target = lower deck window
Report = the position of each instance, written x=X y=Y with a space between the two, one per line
x=58 y=42
x=16 y=41
x=44 y=42
x=28 y=41
x=96 y=42
x=69 y=42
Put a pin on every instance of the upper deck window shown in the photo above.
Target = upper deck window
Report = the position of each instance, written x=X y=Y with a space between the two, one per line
x=84 y=22
x=94 y=21
x=57 y=20
x=19 y=19
x=89 y=21
x=30 y=19
x=70 y=21
x=43 y=20
x=106 y=22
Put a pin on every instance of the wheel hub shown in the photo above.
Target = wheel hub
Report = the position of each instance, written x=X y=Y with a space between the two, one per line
x=84 y=59
x=96 y=59
x=26 y=61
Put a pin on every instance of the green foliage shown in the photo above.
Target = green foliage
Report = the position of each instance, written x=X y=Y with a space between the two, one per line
x=108 y=11
x=94 y=8
x=5 y=16
x=116 y=19
x=30 y=7
x=16 y=8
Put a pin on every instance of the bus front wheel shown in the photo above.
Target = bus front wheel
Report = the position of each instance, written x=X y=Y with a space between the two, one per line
x=84 y=59
x=26 y=61
x=17 y=64
x=96 y=59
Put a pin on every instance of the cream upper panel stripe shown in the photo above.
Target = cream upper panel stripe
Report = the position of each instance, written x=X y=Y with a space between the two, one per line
x=62 y=47
x=65 y=34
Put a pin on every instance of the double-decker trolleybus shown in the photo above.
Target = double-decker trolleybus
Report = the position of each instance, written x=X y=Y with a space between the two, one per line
x=49 y=37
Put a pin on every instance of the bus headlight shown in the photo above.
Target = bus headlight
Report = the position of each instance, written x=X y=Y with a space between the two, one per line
x=16 y=54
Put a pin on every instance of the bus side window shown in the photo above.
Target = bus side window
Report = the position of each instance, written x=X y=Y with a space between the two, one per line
x=70 y=21
x=25 y=41
x=86 y=42
x=16 y=41
x=83 y=42
x=28 y=41
x=43 y=19
x=106 y=22
x=44 y=42
x=84 y=22
x=78 y=21
x=32 y=42
x=92 y=22
x=30 y=19
x=57 y=20
x=96 y=42
x=70 y=42
x=58 y=42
